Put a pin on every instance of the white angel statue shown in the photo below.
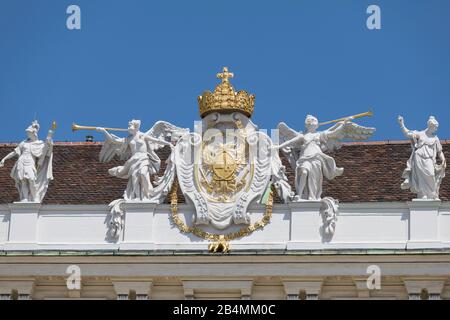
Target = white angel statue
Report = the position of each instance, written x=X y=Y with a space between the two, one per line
x=32 y=171
x=423 y=175
x=142 y=162
x=305 y=152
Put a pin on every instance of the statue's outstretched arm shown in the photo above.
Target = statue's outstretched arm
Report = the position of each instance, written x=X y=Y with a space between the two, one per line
x=291 y=142
x=407 y=133
x=10 y=155
x=153 y=139
x=109 y=136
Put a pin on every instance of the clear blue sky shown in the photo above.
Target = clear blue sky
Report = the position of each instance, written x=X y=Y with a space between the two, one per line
x=150 y=59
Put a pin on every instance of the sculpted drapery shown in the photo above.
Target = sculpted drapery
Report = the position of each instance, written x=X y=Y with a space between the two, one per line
x=423 y=175
x=306 y=153
x=33 y=170
x=141 y=161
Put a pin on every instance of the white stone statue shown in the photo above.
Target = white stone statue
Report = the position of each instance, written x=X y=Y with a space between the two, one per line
x=32 y=171
x=306 y=153
x=423 y=175
x=279 y=179
x=142 y=162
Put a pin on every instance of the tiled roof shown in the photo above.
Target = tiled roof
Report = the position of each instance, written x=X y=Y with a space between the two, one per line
x=372 y=172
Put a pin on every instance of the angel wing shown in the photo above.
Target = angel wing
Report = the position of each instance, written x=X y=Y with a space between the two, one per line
x=287 y=134
x=112 y=148
x=164 y=130
x=349 y=131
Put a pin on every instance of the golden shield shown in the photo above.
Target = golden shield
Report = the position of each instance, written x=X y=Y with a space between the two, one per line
x=223 y=168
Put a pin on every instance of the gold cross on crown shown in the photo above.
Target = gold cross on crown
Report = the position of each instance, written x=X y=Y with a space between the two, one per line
x=224 y=75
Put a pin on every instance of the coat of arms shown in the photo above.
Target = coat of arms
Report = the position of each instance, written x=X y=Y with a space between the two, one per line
x=226 y=165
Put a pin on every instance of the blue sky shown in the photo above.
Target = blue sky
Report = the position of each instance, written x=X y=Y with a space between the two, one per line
x=150 y=59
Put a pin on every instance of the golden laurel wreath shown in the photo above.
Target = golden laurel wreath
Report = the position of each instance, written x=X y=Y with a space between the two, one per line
x=220 y=240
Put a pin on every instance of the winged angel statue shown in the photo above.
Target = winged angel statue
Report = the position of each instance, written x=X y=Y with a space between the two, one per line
x=305 y=152
x=138 y=150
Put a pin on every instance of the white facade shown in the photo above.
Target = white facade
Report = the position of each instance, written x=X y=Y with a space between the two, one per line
x=293 y=227
x=409 y=242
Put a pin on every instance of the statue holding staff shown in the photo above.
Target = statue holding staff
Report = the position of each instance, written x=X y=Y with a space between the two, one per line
x=423 y=175
x=32 y=171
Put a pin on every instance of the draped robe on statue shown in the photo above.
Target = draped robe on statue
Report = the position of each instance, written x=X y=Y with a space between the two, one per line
x=306 y=154
x=422 y=174
x=34 y=164
x=141 y=163
x=316 y=163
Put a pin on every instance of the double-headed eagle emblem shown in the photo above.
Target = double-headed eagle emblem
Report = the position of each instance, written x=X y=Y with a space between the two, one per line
x=223 y=168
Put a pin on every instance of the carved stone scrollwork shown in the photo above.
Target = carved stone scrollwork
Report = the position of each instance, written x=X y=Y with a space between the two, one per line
x=329 y=212
x=116 y=218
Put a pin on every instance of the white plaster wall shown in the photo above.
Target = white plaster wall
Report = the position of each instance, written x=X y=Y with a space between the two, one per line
x=444 y=222
x=359 y=226
x=72 y=224
x=383 y=223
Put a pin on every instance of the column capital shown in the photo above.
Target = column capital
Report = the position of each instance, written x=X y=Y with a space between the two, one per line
x=312 y=288
x=414 y=286
x=244 y=286
x=123 y=288
x=24 y=289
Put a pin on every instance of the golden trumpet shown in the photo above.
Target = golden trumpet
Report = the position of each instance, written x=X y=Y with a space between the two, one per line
x=76 y=127
x=356 y=116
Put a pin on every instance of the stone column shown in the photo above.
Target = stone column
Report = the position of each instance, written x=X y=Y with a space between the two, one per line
x=415 y=287
x=123 y=288
x=311 y=287
x=138 y=228
x=23 y=225
x=305 y=225
x=423 y=224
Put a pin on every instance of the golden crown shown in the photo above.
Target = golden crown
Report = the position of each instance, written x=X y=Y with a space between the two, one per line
x=225 y=99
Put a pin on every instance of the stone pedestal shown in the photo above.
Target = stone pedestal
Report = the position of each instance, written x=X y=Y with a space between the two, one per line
x=305 y=225
x=138 y=228
x=23 y=225
x=423 y=224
